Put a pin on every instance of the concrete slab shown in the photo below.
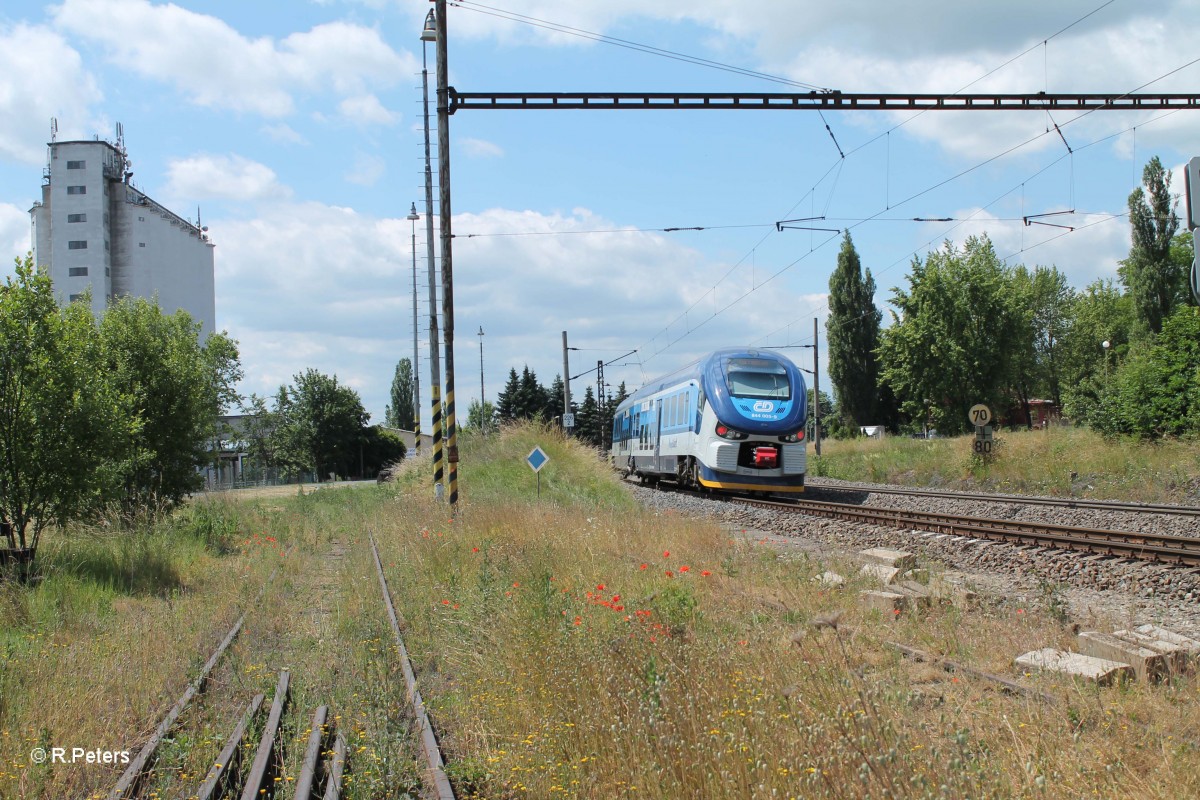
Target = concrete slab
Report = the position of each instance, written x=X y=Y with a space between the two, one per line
x=890 y=603
x=1186 y=642
x=1177 y=657
x=1148 y=664
x=891 y=558
x=830 y=578
x=884 y=574
x=918 y=597
x=1099 y=670
x=918 y=575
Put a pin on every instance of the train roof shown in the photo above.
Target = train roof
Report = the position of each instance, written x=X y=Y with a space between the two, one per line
x=696 y=370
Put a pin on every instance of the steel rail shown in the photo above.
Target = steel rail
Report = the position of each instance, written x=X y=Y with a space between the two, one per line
x=217 y=778
x=136 y=769
x=337 y=762
x=429 y=745
x=1162 y=548
x=312 y=755
x=266 y=745
x=1063 y=502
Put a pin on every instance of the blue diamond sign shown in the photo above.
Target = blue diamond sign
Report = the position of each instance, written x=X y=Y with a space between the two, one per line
x=537 y=459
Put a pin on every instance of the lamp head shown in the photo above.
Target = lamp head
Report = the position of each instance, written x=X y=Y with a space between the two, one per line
x=429 y=33
x=413 y=215
x=1106 y=344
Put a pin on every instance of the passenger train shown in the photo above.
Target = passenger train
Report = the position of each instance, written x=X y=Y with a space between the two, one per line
x=733 y=421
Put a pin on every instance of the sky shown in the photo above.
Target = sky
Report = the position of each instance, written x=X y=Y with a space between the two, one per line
x=295 y=130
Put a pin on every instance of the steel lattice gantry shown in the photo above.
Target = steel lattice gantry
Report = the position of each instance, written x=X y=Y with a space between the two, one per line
x=821 y=101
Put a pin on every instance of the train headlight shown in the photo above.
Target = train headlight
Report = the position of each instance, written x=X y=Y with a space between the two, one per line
x=726 y=432
x=798 y=436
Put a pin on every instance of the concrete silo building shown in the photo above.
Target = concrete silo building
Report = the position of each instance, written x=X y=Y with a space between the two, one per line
x=95 y=230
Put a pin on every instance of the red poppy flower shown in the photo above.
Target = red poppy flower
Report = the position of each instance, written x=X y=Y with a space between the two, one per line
x=684 y=568
x=579 y=620
x=705 y=573
x=670 y=574
x=666 y=553
x=643 y=566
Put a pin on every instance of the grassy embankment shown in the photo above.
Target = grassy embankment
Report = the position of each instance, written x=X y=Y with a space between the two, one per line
x=1060 y=461
x=572 y=646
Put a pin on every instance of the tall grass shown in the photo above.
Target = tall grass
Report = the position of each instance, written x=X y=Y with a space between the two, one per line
x=599 y=651
x=1060 y=460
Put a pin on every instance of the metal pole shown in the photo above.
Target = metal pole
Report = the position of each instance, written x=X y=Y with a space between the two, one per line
x=816 y=393
x=435 y=369
x=443 y=116
x=416 y=373
x=482 y=418
x=566 y=383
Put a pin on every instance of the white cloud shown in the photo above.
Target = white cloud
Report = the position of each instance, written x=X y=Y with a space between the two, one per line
x=367 y=110
x=14 y=235
x=367 y=170
x=331 y=288
x=283 y=133
x=231 y=177
x=479 y=148
x=175 y=45
x=41 y=76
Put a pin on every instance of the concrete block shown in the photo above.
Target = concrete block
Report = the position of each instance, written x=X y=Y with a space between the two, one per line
x=918 y=575
x=830 y=578
x=880 y=572
x=958 y=596
x=1190 y=645
x=891 y=558
x=1148 y=664
x=1177 y=657
x=890 y=603
x=1100 y=670
x=917 y=596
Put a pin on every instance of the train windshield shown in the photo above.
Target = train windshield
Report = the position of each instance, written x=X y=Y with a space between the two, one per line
x=757 y=378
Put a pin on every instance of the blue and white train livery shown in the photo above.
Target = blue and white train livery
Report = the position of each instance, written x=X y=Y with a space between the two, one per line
x=732 y=421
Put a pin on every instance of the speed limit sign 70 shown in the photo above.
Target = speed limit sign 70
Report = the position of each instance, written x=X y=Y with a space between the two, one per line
x=979 y=415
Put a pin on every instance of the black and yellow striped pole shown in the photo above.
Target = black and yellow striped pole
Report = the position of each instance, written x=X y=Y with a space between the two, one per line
x=429 y=34
x=443 y=116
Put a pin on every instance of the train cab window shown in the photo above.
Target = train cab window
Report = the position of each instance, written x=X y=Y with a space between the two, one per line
x=759 y=378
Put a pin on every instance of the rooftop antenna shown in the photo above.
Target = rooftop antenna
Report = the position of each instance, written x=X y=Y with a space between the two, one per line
x=120 y=136
x=54 y=129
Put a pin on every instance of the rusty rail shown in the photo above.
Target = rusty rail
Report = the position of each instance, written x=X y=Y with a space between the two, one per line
x=266 y=745
x=219 y=774
x=429 y=746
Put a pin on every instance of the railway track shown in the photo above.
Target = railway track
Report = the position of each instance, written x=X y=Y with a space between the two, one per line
x=1161 y=548
x=1066 y=502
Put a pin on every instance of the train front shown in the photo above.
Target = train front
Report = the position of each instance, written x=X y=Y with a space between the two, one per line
x=757 y=406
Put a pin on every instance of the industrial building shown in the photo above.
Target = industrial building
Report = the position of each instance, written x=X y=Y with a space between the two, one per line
x=93 y=229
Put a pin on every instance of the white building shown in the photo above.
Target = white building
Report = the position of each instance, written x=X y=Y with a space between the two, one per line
x=93 y=229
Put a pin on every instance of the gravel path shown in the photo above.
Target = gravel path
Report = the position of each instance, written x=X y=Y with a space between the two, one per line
x=1094 y=590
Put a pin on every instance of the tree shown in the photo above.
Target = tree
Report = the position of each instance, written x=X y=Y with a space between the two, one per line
x=1156 y=282
x=380 y=447
x=587 y=420
x=60 y=416
x=1156 y=392
x=506 y=401
x=852 y=335
x=1100 y=313
x=401 y=413
x=173 y=389
x=1044 y=305
x=481 y=417
x=948 y=348
x=322 y=424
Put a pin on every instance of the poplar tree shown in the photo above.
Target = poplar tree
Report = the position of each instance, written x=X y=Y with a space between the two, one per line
x=400 y=413
x=1155 y=280
x=852 y=334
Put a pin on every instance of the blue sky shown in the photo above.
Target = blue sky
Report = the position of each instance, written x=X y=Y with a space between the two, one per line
x=296 y=130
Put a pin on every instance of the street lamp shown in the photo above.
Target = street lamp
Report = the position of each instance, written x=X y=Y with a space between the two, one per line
x=1106 y=344
x=429 y=34
x=413 y=216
